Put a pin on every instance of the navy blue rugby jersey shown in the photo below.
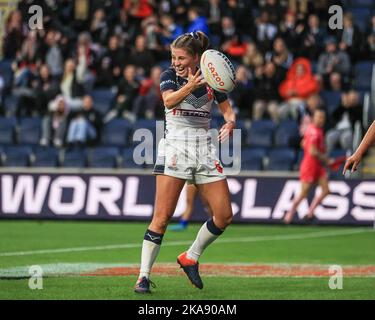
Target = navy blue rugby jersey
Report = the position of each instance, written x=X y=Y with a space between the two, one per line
x=194 y=111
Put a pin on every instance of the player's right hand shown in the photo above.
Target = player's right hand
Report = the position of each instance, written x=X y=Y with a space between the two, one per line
x=351 y=163
x=196 y=80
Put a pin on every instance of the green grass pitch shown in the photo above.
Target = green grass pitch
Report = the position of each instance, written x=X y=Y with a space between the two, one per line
x=58 y=244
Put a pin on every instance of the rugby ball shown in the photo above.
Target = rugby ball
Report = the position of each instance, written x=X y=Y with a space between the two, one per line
x=218 y=71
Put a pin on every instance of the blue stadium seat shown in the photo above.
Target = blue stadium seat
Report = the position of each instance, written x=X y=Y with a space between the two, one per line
x=148 y=125
x=45 y=157
x=17 y=156
x=362 y=3
x=7 y=130
x=332 y=100
x=6 y=72
x=30 y=130
x=252 y=158
x=261 y=133
x=10 y=104
x=74 y=158
x=145 y=124
x=241 y=124
x=281 y=159
x=362 y=75
x=103 y=157
x=361 y=17
x=286 y=134
x=116 y=133
x=103 y=99
x=127 y=159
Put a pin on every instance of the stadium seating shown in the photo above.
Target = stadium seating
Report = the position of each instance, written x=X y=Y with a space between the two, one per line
x=145 y=124
x=7 y=130
x=362 y=75
x=361 y=17
x=147 y=137
x=45 y=157
x=242 y=125
x=116 y=133
x=128 y=160
x=281 y=159
x=103 y=157
x=252 y=158
x=264 y=144
x=331 y=99
x=287 y=134
x=74 y=158
x=6 y=72
x=363 y=3
x=17 y=156
x=29 y=131
x=10 y=104
x=261 y=133
x=102 y=99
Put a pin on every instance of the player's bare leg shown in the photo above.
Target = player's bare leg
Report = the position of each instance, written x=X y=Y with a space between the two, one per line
x=323 y=183
x=219 y=206
x=305 y=188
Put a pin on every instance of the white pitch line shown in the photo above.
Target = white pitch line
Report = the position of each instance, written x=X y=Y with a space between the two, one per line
x=310 y=235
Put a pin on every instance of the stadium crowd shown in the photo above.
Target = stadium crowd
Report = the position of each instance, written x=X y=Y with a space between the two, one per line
x=288 y=62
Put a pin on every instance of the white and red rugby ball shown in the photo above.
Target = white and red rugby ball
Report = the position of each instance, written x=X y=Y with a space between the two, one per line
x=218 y=71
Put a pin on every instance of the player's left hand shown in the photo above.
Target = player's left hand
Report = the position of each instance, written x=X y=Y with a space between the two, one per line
x=226 y=131
x=351 y=163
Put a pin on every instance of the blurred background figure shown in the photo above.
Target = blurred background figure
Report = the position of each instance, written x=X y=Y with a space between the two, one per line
x=84 y=125
x=149 y=101
x=191 y=194
x=299 y=84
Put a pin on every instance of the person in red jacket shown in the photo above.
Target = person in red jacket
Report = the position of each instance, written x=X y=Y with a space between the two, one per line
x=299 y=84
x=138 y=9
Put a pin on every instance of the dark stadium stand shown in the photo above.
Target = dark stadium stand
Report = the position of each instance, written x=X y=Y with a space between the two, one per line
x=116 y=133
x=281 y=159
x=266 y=145
x=17 y=156
x=261 y=133
x=45 y=157
x=103 y=157
x=7 y=130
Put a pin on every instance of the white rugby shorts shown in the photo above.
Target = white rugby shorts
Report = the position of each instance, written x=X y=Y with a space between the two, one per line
x=195 y=162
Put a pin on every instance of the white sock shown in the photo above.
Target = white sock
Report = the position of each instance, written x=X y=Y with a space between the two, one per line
x=150 y=250
x=204 y=238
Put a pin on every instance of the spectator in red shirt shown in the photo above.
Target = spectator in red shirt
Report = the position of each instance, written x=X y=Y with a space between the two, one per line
x=139 y=9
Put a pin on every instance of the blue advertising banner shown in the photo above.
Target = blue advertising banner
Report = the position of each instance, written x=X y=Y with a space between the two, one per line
x=131 y=197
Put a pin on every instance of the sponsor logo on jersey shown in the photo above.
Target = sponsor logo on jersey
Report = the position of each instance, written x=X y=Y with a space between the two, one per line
x=191 y=113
